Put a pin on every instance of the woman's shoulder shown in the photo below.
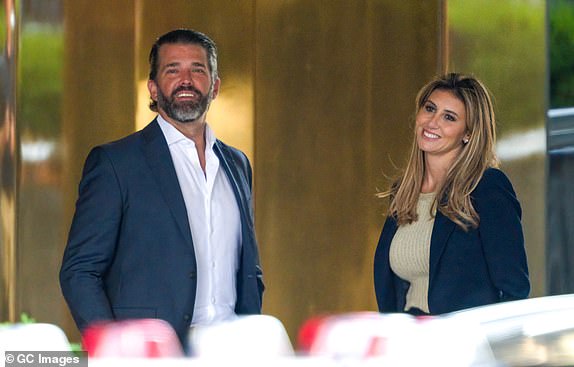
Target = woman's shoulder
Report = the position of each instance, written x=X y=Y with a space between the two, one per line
x=494 y=180
x=493 y=176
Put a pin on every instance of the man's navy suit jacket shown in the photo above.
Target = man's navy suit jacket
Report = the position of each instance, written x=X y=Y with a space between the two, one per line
x=467 y=269
x=130 y=251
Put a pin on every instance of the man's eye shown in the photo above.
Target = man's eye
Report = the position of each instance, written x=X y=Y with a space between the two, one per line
x=200 y=71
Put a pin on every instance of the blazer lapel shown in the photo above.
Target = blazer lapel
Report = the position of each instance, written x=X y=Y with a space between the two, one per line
x=159 y=159
x=441 y=232
x=237 y=181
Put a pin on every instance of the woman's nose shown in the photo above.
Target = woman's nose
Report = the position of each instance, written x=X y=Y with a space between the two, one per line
x=433 y=121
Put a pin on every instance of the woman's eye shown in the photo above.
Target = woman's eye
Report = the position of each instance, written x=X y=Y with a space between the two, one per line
x=429 y=108
x=450 y=117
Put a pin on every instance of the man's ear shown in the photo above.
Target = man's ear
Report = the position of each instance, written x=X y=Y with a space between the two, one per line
x=152 y=88
x=216 y=86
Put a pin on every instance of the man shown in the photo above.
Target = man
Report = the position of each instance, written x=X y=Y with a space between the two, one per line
x=163 y=226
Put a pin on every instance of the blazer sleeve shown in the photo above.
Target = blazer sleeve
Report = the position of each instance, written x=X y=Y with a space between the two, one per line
x=92 y=241
x=500 y=231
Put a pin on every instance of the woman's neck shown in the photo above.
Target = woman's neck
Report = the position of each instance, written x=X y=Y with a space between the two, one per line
x=435 y=174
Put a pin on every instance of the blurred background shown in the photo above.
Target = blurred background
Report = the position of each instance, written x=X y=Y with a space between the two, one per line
x=318 y=93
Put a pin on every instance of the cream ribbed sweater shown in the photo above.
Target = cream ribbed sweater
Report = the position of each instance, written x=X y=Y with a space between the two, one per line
x=410 y=253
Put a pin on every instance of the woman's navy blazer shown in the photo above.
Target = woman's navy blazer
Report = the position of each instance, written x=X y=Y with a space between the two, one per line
x=467 y=269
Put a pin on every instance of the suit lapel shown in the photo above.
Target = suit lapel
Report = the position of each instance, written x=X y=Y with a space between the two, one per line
x=160 y=162
x=441 y=232
x=236 y=180
x=389 y=230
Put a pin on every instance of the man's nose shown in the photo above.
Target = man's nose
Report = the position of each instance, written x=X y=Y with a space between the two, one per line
x=186 y=76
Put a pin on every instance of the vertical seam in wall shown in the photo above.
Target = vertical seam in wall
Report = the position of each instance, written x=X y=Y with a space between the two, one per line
x=443 y=39
x=254 y=98
x=138 y=15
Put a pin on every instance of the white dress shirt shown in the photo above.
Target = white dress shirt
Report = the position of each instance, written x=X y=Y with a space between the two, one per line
x=215 y=224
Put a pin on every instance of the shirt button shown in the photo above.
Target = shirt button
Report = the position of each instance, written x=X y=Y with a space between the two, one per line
x=213 y=300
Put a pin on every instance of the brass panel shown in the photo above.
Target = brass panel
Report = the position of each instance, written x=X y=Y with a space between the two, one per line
x=503 y=43
x=231 y=114
x=319 y=94
x=335 y=84
x=98 y=90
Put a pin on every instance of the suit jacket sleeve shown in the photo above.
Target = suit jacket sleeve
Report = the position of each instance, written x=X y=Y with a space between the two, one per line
x=501 y=235
x=92 y=240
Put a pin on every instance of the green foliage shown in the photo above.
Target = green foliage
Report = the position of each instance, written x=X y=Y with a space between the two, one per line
x=2 y=24
x=503 y=44
x=561 y=44
x=76 y=348
x=40 y=80
x=24 y=319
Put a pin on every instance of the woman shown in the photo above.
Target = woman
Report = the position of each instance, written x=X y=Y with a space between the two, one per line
x=453 y=237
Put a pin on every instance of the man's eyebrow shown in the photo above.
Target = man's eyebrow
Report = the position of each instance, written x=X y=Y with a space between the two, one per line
x=171 y=64
x=177 y=63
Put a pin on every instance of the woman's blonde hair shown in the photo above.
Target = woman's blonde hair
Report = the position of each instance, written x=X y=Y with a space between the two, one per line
x=453 y=197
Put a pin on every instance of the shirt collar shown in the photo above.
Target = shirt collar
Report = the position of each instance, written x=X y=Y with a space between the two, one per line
x=173 y=135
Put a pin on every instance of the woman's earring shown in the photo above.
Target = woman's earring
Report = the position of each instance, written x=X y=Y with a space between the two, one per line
x=465 y=140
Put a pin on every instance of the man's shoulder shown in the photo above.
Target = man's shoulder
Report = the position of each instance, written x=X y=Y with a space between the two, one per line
x=127 y=149
x=148 y=133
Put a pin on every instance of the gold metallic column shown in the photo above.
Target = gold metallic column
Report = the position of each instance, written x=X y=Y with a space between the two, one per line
x=517 y=79
x=8 y=160
x=231 y=114
x=98 y=92
x=334 y=95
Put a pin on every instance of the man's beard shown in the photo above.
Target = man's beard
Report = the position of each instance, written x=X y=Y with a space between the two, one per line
x=187 y=111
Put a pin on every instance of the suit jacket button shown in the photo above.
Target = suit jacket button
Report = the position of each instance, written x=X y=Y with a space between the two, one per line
x=192 y=274
x=186 y=317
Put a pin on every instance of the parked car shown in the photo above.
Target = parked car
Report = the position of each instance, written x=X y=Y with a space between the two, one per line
x=531 y=332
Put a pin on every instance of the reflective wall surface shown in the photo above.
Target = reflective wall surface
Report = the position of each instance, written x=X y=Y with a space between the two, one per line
x=334 y=91
x=504 y=44
x=319 y=94
x=41 y=229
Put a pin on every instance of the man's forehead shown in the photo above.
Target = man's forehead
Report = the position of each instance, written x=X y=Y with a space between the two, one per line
x=183 y=51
